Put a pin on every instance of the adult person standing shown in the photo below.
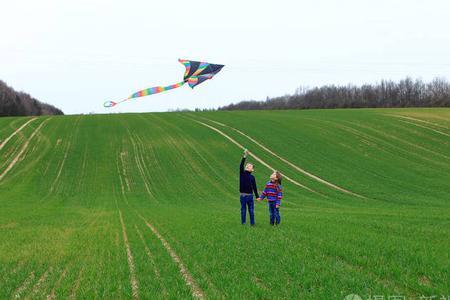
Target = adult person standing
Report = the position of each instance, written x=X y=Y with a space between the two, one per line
x=247 y=186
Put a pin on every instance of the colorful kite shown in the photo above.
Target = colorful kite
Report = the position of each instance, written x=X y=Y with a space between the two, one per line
x=196 y=73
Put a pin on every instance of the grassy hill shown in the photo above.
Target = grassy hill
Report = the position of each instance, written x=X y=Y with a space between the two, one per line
x=145 y=205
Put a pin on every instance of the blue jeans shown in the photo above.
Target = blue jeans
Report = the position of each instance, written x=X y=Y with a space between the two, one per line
x=247 y=202
x=274 y=213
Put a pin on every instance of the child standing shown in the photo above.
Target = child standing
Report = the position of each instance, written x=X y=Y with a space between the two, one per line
x=274 y=193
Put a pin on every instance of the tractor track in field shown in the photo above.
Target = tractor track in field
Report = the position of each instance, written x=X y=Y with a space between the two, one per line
x=217 y=294
x=52 y=294
x=5 y=141
x=38 y=284
x=147 y=250
x=124 y=169
x=152 y=261
x=8 y=155
x=61 y=166
x=256 y=157
x=393 y=137
x=70 y=141
x=122 y=188
x=49 y=162
x=375 y=141
x=73 y=293
x=425 y=127
x=140 y=163
x=418 y=125
x=295 y=167
x=22 y=150
x=131 y=266
x=145 y=153
x=196 y=291
x=196 y=168
x=195 y=148
x=24 y=286
x=418 y=120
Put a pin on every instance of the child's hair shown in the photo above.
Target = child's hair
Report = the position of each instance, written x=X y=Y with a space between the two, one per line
x=279 y=176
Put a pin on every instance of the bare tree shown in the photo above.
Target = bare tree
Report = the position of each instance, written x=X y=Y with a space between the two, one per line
x=387 y=93
x=14 y=103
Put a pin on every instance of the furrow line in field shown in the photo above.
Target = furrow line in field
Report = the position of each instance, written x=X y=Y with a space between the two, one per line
x=373 y=138
x=38 y=284
x=49 y=162
x=34 y=147
x=195 y=147
x=422 y=126
x=24 y=286
x=143 y=169
x=73 y=293
x=393 y=137
x=141 y=150
x=118 y=256
x=8 y=156
x=22 y=150
x=122 y=188
x=418 y=120
x=303 y=171
x=124 y=170
x=255 y=157
x=195 y=168
x=152 y=261
x=52 y=294
x=70 y=141
x=60 y=167
x=133 y=280
x=189 y=280
x=137 y=158
x=5 y=141
x=217 y=294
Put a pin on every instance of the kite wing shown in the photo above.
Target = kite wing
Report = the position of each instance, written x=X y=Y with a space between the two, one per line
x=196 y=73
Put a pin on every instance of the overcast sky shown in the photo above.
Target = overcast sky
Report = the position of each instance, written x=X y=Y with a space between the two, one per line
x=78 y=54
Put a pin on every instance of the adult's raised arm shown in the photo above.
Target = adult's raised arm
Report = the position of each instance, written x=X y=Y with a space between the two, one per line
x=241 y=167
x=244 y=156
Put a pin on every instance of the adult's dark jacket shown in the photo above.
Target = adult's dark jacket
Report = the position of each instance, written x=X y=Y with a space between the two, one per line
x=247 y=182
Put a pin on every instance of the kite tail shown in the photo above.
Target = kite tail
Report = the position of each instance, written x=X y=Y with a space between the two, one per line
x=146 y=92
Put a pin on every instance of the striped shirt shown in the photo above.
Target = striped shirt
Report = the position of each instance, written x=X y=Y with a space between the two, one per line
x=273 y=192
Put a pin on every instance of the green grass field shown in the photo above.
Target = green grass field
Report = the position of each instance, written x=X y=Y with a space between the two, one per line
x=147 y=205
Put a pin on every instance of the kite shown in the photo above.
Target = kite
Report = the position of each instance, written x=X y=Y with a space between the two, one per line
x=196 y=73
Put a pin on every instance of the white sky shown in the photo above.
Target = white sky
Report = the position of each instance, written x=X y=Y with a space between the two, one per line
x=78 y=54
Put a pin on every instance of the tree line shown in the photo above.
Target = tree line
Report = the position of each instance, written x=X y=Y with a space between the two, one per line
x=404 y=93
x=13 y=103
